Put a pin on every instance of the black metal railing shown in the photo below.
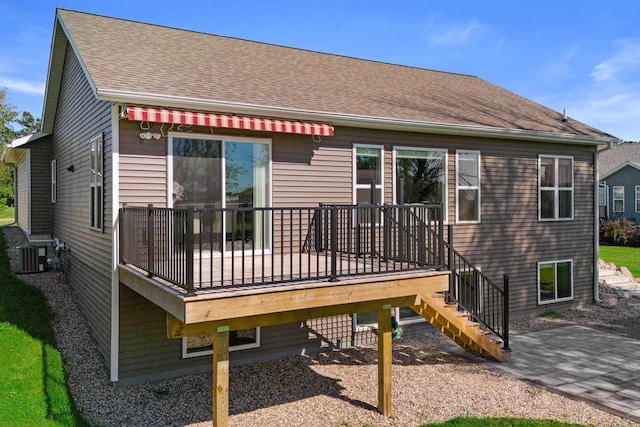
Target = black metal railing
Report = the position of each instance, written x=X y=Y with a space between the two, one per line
x=204 y=248
x=476 y=294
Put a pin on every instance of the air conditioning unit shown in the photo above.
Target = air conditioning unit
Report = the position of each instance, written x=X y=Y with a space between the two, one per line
x=32 y=259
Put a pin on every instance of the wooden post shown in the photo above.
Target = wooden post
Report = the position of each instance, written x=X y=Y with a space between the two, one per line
x=221 y=377
x=384 y=360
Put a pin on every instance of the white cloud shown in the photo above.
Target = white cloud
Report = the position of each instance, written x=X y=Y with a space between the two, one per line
x=625 y=59
x=609 y=101
x=22 y=86
x=611 y=108
x=448 y=34
x=561 y=67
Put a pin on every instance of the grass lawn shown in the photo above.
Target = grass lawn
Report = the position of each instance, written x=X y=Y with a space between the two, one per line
x=499 y=422
x=622 y=256
x=32 y=381
x=7 y=215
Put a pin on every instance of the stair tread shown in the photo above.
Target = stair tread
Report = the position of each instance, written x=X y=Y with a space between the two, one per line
x=459 y=327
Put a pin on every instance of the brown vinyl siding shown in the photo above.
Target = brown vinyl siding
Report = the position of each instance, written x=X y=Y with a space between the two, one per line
x=306 y=173
x=510 y=239
x=143 y=178
x=41 y=186
x=22 y=192
x=146 y=353
x=80 y=117
x=142 y=162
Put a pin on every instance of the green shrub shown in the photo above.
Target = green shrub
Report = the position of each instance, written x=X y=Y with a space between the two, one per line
x=619 y=232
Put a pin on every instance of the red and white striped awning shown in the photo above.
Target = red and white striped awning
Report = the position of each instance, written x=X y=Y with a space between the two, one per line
x=156 y=115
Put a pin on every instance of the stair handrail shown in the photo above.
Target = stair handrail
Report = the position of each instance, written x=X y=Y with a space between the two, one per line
x=495 y=316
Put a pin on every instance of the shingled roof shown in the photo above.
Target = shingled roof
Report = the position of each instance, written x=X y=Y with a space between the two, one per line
x=130 y=61
x=620 y=154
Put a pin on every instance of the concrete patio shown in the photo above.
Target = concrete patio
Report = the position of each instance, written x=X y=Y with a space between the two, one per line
x=580 y=362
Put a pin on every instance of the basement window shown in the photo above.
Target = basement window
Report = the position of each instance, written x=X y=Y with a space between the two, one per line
x=202 y=345
x=555 y=281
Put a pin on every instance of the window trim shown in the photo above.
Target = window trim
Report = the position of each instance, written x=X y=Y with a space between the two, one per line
x=556 y=188
x=468 y=187
x=96 y=181
x=354 y=172
x=637 y=198
x=555 y=272
x=445 y=202
x=186 y=355
x=54 y=181
x=616 y=199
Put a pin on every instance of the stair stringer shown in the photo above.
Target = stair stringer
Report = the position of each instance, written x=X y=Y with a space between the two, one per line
x=457 y=326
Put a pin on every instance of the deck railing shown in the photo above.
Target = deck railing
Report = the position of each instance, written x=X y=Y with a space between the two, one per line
x=475 y=293
x=205 y=248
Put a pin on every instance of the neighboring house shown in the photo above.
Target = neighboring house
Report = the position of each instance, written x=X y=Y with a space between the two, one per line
x=291 y=189
x=619 y=170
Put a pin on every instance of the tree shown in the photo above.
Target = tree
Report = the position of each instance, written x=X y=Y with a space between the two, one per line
x=28 y=123
x=12 y=125
x=8 y=115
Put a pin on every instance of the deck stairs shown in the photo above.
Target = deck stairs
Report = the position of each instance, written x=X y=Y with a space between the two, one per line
x=456 y=325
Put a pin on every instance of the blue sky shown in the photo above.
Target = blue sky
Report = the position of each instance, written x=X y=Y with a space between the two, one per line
x=580 y=55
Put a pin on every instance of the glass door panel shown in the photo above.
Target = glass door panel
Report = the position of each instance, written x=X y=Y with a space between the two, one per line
x=197 y=182
x=247 y=188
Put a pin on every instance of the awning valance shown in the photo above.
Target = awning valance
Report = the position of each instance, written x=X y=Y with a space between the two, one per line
x=157 y=115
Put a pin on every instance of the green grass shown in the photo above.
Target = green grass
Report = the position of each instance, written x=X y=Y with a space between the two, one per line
x=7 y=212
x=32 y=380
x=7 y=215
x=622 y=256
x=499 y=422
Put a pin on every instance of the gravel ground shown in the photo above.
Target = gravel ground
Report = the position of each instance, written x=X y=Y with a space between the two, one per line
x=433 y=379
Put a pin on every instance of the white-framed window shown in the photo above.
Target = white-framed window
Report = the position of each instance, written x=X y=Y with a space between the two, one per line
x=467 y=186
x=555 y=281
x=365 y=321
x=96 y=172
x=420 y=176
x=54 y=181
x=368 y=181
x=368 y=170
x=618 y=198
x=202 y=345
x=637 y=198
x=369 y=320
x=555 y=185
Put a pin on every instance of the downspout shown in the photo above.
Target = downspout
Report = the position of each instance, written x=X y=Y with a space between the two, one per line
x=596 y=234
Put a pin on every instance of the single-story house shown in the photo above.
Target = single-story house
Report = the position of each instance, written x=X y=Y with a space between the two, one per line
x=620 y=182
x=220 y=201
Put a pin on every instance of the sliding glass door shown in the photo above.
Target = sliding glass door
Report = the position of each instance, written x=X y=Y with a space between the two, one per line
x=233 y=173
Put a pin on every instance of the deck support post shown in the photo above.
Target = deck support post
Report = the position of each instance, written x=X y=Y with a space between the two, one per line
x=384 y=360
x=220 y=390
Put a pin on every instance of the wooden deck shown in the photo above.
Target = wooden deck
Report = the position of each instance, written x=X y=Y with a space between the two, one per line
x=249 y=270
x=253 y=278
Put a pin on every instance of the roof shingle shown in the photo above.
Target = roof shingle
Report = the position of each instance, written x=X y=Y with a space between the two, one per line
x=619 y=154
x=132 y=57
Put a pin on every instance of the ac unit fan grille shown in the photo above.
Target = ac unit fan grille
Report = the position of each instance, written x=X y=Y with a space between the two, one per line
x=31 y=259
